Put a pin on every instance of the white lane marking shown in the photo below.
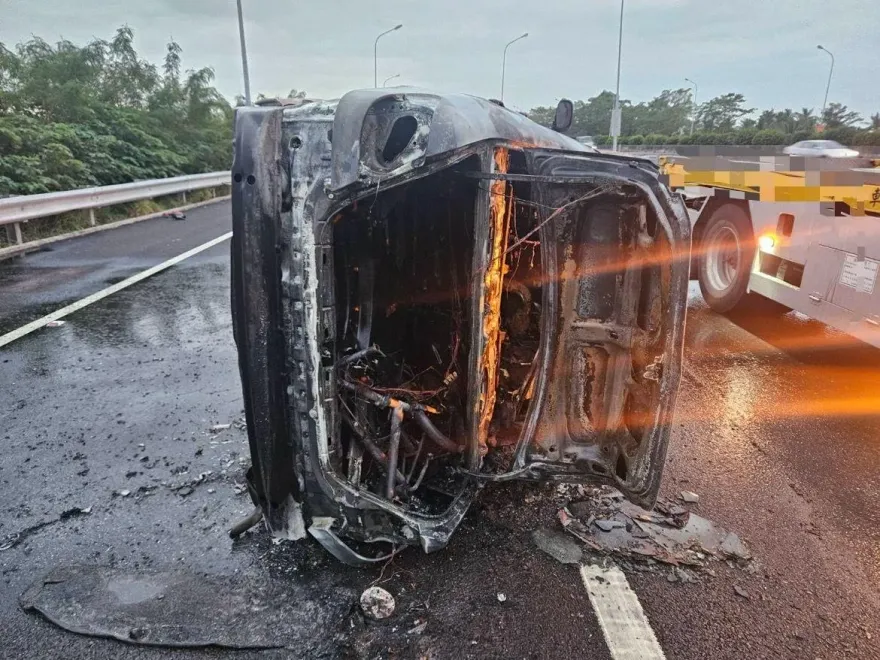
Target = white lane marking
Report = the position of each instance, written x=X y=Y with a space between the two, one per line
x=18 y=333
x=626 y=628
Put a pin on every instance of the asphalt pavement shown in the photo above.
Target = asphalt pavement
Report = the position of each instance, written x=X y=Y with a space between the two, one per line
x=63 y=272
x=117 y=453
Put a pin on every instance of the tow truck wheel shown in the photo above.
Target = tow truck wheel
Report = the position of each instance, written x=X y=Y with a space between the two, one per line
x=725 y=262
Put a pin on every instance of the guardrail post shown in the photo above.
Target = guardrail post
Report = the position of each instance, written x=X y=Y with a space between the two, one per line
x=184 y=197
x=92 y=217
x=13 y=233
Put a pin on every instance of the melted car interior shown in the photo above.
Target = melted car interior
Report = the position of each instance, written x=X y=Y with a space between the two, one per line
x=440 y=289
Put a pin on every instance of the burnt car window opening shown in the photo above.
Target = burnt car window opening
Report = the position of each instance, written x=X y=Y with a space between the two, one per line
x=402 y=132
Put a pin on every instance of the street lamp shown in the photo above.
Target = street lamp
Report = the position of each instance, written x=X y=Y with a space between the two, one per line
x=396 y=75
x=694 y=102
x=504 y=60
x=828 y=86
x=376 y=54
x=244 y=61
x=615 y=113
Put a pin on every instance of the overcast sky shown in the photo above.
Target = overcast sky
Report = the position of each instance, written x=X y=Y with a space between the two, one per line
x=765 y=49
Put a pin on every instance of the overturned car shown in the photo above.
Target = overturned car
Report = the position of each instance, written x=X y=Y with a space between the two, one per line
x=431 y=292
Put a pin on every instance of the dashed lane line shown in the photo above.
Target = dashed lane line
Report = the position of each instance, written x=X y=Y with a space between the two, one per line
x=18 y=333
x=627 y=632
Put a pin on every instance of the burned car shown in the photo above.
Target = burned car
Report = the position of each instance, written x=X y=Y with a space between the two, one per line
x=431 y=292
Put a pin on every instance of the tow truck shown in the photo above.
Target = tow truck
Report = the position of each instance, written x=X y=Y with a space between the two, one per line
x=771 y=234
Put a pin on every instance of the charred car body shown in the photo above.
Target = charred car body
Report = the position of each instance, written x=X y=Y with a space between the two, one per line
x=431 y=292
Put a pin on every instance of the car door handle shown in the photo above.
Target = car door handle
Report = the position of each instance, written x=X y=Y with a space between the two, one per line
x=816 y=298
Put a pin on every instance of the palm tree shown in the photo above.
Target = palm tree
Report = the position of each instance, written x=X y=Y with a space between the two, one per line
x=766 y=120
x=786 y=121
x=806 y=120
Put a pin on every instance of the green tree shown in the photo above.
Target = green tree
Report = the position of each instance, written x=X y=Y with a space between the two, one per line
x=126 y=80
x=723 y=112
x=805 y=120
x=73 y=116
x=837 y=115
x=785 y=121
x=766 y=120
x=666 y=114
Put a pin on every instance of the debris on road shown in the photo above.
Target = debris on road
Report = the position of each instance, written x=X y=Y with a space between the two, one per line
x=377 y=603
x=55 y=324
x=219 y=427
x=741 y=592
x=670 y=534
x=187 y=487
x=689 y=497
x=75 y=511
x=558 y=546
x=608 y=525
x=682 y=575
x=247 y=523
x=175 y=214
x=419 y=628
x=188 y=609
x=11 y=540
x=732 y=546
x=502 y=598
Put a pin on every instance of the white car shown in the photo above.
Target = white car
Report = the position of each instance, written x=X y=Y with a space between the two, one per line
x=821 y=149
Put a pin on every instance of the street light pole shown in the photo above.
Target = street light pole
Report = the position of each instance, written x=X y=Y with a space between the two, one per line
x=828 y=86
x=396 y=75
x=244 y=60
x=694 y=103
x=504 y=60
x=376 y=54
x=615 y=113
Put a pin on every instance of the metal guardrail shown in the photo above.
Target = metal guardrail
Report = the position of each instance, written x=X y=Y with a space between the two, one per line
x=14 y=210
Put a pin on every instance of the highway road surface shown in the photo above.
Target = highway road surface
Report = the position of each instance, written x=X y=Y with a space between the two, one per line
x=116 y=453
